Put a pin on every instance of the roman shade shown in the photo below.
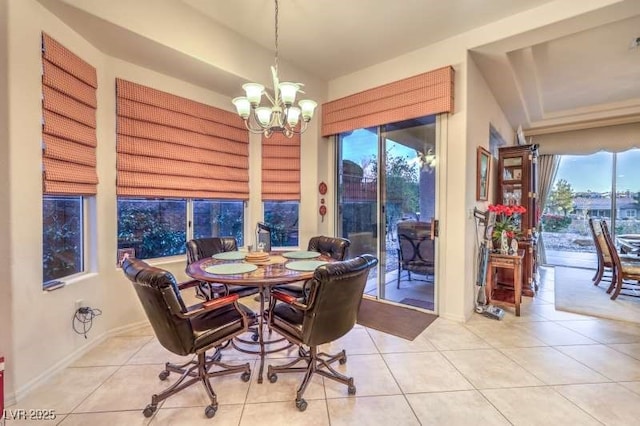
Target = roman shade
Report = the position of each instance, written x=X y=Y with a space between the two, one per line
x=281 y=168
x=69 y=122
x=616 y=138
x=170 y=146
x=413 y=97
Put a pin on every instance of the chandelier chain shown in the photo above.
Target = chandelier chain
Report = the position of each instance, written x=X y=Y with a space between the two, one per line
x=276 y=20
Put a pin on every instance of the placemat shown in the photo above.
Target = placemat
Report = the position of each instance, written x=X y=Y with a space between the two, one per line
x=229 y=255
x=301 y=254
x=305 y=265
x=231 y=268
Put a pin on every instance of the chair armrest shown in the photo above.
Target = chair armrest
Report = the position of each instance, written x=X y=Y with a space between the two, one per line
x=209 y=305
x=188 y=284
x=289 y=300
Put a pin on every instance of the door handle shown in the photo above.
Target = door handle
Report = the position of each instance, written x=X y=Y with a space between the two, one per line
x=434 y=228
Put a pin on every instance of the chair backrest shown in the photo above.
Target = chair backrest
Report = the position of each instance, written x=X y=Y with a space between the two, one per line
x=415 y=243
x=206 y=247
x=612 y=251
x=336 y=248
x=159 y=295
x=263 y=235
x=602 y=250
x=335 y=294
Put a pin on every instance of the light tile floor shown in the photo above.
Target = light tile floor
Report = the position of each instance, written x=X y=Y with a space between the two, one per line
x=545 y=367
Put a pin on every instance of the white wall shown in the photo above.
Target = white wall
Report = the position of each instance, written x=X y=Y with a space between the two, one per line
x=483 y=110
x=6 y=310
x=36 y=335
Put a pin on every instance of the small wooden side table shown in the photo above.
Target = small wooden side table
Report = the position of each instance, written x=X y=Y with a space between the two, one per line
x=501 y=294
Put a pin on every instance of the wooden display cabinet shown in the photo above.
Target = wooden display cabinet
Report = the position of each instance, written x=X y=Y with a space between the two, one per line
x=517 y=186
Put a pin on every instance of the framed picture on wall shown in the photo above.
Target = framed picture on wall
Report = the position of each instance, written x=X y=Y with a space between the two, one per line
x=483 y=174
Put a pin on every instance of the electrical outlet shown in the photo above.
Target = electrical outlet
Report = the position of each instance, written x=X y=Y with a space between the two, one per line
x=78 y=304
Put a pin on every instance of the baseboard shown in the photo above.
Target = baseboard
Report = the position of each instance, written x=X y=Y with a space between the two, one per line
x=24 y=390
x=456 y=318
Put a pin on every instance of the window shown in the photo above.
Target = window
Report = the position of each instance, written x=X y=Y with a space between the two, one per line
x=158 y=227
x=62 y=237
x=218 y=218
x=282 y=217
x=631 y=213
x=152 y=227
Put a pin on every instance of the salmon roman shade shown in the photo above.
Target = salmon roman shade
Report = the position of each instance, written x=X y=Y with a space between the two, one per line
x=417 y=96
x=69 y=122
x=169 y=146
x=281 y=168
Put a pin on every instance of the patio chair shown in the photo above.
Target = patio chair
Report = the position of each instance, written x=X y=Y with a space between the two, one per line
x=602 y=252
x=629 y=271
x=416 y=249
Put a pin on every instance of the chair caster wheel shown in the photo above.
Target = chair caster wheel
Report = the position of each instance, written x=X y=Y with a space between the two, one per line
x=301 y=404
x=351 y=390
x=210 y=410
x=163 y=375
x=272 y=377
x=255 y=337
x=245 y=376
x=343 y=360
x=149 y=410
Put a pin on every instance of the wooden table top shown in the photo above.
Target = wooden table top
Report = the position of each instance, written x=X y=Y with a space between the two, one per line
x=268 y=275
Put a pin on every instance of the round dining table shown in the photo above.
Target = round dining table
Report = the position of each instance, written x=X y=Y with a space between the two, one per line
x=277 y=270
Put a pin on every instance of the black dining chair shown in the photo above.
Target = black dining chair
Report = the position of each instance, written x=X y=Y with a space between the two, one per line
x=333 y=247
x=187 y=330
x=329 y=312
x=201 y=248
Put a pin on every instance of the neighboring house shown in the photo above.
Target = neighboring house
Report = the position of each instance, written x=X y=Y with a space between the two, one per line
x=626 y=207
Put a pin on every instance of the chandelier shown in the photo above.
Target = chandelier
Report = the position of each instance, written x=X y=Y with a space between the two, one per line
x=426 y=159
x=282 y=116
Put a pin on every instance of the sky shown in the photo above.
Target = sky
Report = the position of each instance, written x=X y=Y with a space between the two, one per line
x=584 y=172
x=593 y=172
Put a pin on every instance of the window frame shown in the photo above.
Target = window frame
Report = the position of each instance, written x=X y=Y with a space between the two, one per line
x=189 y=224
x=85 y=239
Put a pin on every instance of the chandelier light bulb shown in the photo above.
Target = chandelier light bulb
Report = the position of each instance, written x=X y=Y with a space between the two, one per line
x=254 y=93
x=243 y=106
x=263 y=114
x=293 y=116
x=307 y=107
x=288 y=92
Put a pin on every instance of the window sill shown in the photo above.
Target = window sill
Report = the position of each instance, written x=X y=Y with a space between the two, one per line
x=73 y=279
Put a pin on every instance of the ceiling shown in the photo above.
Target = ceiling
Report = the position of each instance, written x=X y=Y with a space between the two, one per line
x=548 y=77
x=331 y=38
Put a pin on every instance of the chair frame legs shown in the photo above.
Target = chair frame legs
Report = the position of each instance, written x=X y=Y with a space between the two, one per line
x=196 y=370
x=317 y=362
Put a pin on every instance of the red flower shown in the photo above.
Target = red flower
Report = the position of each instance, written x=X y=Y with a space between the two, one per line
x=505 y=219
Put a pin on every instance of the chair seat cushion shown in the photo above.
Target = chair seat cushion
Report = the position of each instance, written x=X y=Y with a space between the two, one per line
x=631 y=268
x=214 y=325
x=419 y=267
x=289 y=319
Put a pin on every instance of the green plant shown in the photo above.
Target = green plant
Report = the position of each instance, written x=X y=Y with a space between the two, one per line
x=555 y=223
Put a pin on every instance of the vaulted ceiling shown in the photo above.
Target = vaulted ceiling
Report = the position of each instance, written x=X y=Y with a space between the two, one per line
x=578 y=70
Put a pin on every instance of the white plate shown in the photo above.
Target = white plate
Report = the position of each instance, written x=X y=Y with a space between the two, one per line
x=229 y=255
x=230 y=268
x=302 y=254
x=305 y=265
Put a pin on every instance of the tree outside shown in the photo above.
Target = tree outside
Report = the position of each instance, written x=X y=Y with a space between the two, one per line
x=561 y=197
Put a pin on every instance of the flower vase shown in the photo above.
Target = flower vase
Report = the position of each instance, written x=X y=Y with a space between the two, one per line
x=504 y=243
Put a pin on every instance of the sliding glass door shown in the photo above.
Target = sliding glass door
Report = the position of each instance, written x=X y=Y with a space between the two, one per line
x=386 y=176
x=602 y=185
